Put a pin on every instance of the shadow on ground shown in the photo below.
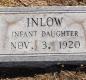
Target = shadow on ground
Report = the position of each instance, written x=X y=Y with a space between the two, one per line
x=24 y=72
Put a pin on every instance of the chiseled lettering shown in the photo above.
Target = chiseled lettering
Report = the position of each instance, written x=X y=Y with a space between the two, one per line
x=44 y=22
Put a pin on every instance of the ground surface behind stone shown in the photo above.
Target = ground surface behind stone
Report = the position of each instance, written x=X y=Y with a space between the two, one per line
x=26 y=3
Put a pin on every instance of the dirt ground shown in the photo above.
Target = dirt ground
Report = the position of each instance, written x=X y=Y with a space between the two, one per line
x=26 y=3
x=64 y=74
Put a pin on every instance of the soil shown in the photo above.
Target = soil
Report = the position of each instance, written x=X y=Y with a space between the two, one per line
x=26 y=3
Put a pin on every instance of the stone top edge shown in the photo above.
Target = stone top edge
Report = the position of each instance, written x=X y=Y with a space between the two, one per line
x=42 y=9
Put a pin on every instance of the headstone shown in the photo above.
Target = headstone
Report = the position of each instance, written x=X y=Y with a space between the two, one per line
x=43 y=34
